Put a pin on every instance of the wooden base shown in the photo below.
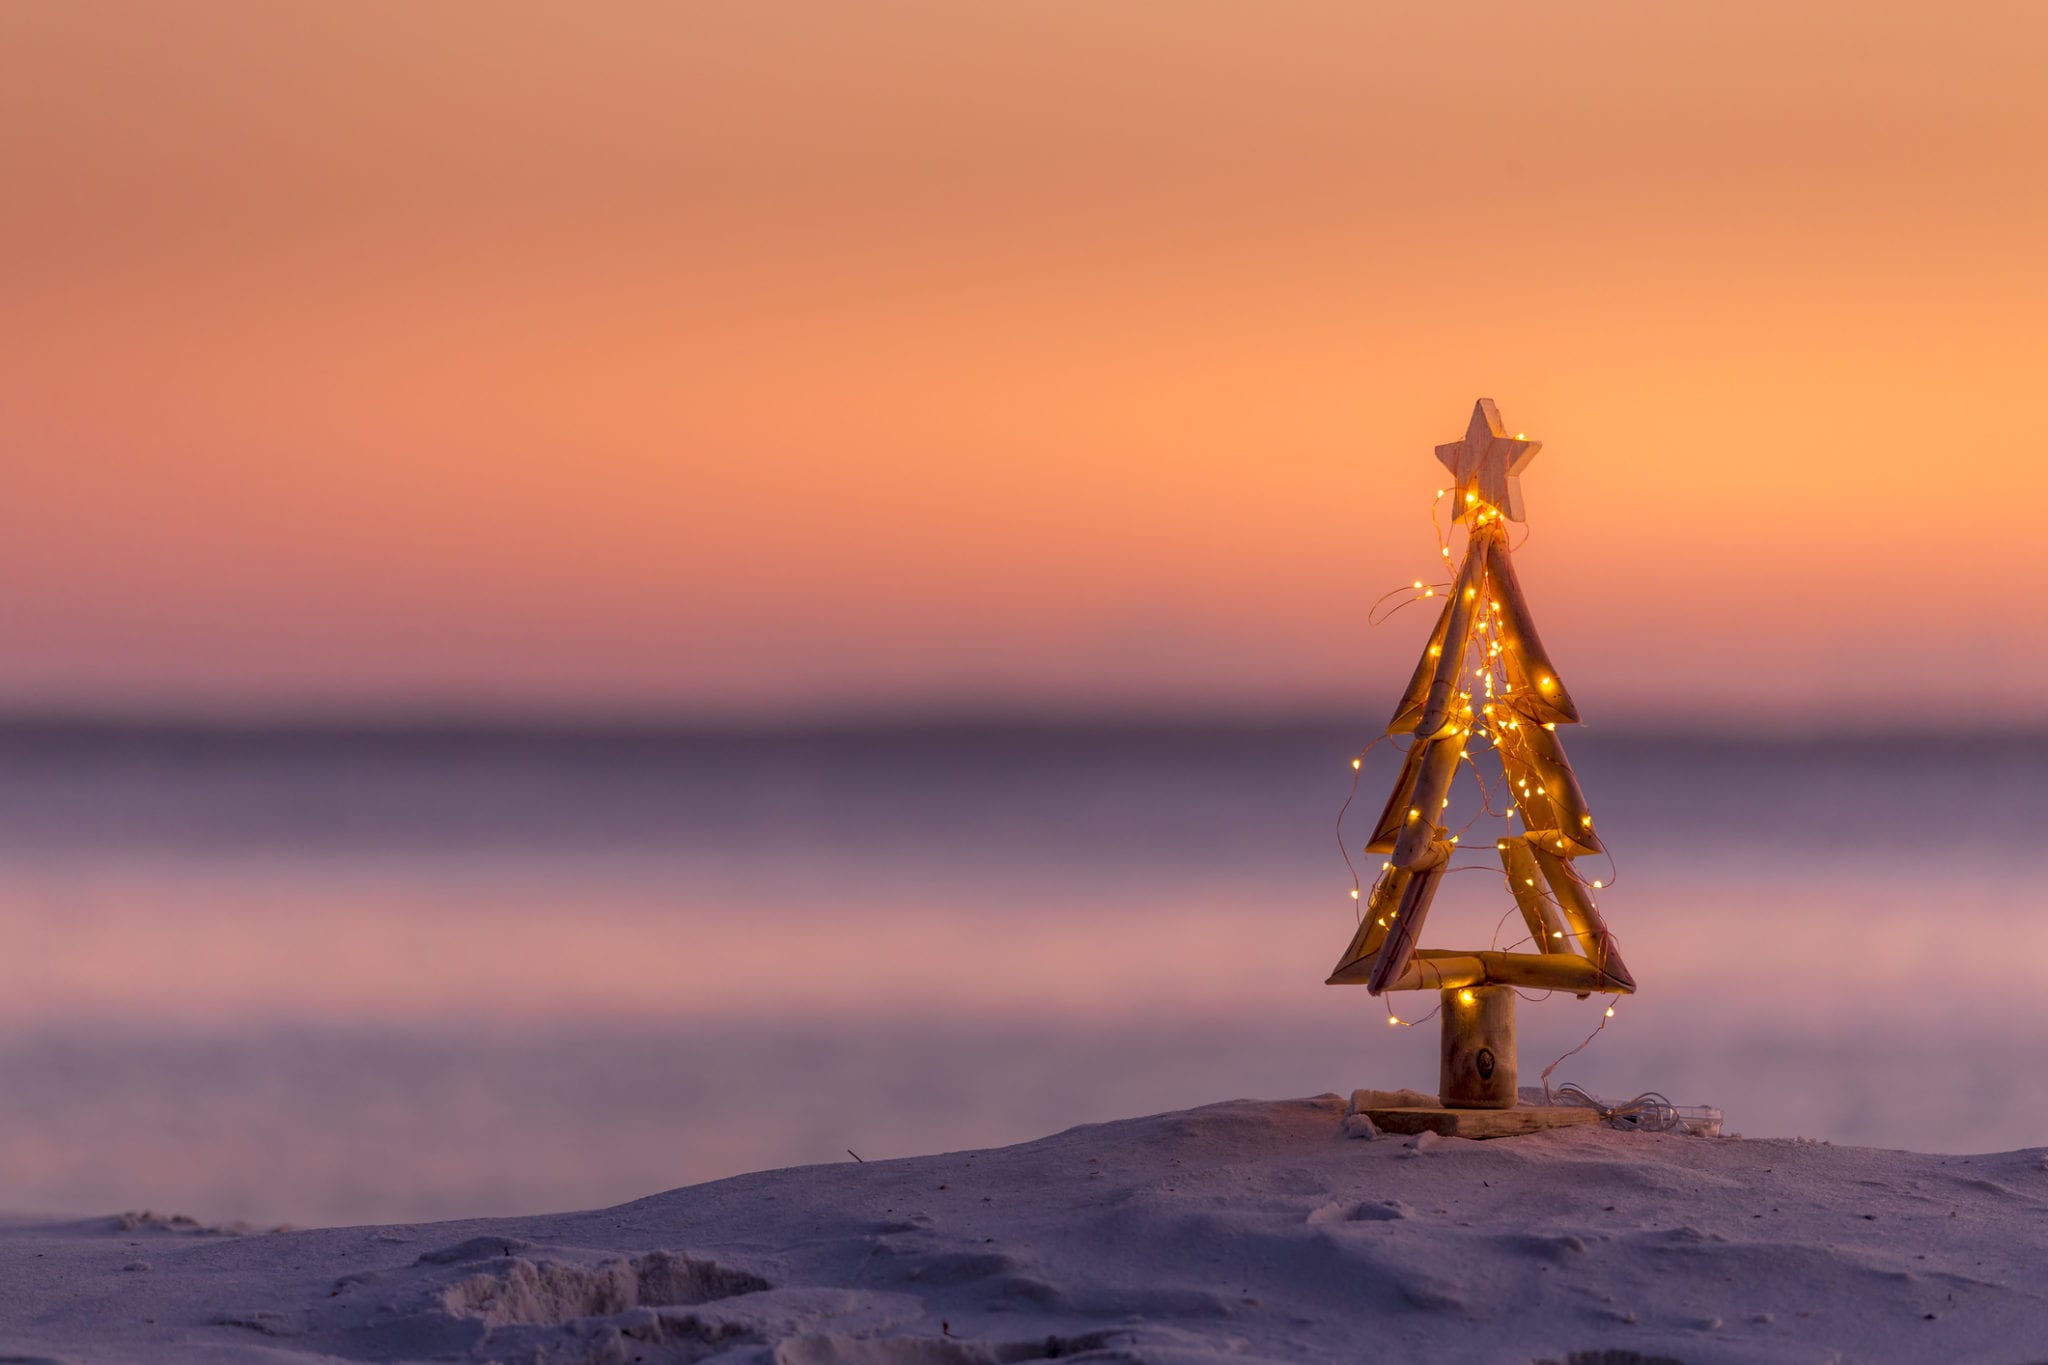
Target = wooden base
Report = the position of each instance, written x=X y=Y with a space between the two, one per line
x=1481 y=1123
x=1478 y=1048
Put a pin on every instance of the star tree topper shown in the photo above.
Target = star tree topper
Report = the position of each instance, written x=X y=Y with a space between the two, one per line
x=1488 y=463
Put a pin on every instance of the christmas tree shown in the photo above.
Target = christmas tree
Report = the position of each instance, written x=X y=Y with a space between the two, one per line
x=1485 y=681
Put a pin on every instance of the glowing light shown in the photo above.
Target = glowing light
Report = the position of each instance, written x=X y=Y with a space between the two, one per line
x=1357 y=763
x=1598 y=885
x=1393 y=1019
x=1610 y=1011
x=1466 y=998
x=1470 y=498
x=1354 y=893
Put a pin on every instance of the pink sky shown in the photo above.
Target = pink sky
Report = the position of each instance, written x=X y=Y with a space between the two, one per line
x=800 y=356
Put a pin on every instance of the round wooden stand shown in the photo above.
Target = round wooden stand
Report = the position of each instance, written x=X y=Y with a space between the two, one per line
x=1478 y=1048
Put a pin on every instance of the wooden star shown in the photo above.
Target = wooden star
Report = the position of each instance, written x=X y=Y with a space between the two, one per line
x=1487 y=464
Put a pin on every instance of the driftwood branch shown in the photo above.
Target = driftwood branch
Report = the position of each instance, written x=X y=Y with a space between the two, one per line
x=1546 y=926
x=1537 y=687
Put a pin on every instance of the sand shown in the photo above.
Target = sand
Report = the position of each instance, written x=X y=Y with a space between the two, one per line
x=1244 y=1231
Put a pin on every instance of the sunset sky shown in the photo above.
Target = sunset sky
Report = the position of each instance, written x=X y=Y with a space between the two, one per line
x=781 y=358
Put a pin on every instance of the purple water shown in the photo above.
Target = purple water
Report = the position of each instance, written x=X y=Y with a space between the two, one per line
x=429 y=972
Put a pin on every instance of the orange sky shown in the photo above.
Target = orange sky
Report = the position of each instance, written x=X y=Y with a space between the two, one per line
x=745 y=357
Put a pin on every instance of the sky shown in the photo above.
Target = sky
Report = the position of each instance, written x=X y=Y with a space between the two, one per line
x=786 y=358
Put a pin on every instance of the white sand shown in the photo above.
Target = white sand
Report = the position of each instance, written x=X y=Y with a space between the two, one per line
x=1241 y=1231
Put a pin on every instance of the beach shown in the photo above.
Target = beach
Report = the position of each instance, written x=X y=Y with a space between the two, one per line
x=1243 y=1231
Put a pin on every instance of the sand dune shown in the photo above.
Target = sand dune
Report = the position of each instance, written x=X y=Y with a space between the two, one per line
x=1244 y=1231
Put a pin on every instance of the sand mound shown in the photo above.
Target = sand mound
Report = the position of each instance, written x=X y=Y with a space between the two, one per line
x=1240 y=1232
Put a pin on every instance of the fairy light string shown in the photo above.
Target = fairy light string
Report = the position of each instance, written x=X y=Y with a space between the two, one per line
x=1484 y=707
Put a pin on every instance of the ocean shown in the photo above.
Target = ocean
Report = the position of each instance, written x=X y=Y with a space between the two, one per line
x=309 y=975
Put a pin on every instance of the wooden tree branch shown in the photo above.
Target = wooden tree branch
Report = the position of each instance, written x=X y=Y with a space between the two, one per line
x=1404 y=926
x=1584 y=917
x=1466 y=600
x=1540 y=780
x=1436 y=969
x=1399 y=902
x=1395 y=814
x=1409 y=713
x=1546 y=926
x=1538 y=690
x=1419 y=822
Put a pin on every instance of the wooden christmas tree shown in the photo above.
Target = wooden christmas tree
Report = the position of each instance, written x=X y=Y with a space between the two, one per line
x=1485 y=681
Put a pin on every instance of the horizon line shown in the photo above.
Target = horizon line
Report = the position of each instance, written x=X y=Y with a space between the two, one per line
x=600 y=721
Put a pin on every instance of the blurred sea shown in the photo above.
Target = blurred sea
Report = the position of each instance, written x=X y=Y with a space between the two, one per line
x=358 y=975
